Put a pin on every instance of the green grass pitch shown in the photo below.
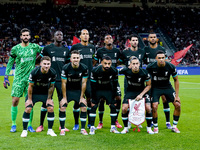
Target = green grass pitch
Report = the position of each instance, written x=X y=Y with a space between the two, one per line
x=189 y=125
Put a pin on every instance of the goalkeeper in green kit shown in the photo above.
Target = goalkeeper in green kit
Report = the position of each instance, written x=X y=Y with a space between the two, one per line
x=24 y=55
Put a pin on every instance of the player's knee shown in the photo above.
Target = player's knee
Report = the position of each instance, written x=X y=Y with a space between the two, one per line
x=148 y=108
x=50 y=109
x=84 y=109
x=15 y=101
x=154 y=107
x=177 y=106
x=28 y=110
x=62 y=109
x=124 y=108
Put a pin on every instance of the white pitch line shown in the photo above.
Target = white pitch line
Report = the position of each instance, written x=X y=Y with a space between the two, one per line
x=189 y=88
x=189 y=82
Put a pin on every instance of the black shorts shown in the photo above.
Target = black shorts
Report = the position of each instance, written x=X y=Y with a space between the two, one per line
x=38 y=98
x=73 y=95
x=133 y=95
x=58 y=87
x=88 y=92
x=107 y=95
x=118 y=93
x=156 y=93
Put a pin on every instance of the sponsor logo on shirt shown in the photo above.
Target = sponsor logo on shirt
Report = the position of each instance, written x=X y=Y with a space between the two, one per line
x=26 y=59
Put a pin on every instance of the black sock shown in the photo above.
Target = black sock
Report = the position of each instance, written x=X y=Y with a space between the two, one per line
x=166 y=111
x=155 y=122
x=42 y=115
x=62 y=118
x=26 y=118
x=175 y=119
x=83 y=118
x=148 y=119
x=125 y=119
x=101 y=111
x=50 y=118
x=76 y=115
x=88 y=114
x=118 y=107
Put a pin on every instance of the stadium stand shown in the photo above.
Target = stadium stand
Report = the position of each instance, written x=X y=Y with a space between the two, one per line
x=177 y=25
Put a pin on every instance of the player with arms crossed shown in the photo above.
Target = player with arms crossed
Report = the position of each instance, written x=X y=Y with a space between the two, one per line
x=136 y=78
x=104 y=79
x=74 y=79
x=114 y=54
x=59 y=55
x=24 y=55
x=86 y=53
x=160 y=73
x=150 y=55
x=40 y=89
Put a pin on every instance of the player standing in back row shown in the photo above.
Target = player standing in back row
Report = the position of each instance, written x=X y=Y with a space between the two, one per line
x=24 y=55
x=150 y=55
x=86 y=51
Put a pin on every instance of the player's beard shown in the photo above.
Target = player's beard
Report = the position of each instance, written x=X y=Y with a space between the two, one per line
x=135 y=70
x=152 y=43
x=106 y=68
x=59 y=42
x=133 y=46
x=25 y=41
x=109 y=44
x=85 y=41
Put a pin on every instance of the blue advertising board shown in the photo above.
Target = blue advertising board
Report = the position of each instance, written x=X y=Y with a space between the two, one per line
x=180 y=71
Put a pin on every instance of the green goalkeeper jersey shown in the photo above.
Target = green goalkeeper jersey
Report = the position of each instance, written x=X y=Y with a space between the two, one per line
x=24 y=57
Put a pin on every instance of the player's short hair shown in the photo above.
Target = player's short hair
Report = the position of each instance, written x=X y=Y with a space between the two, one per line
x=106 y=58
x=45 y=58
x=152 y=33
x=133 y=35
x=75 y=52
x=160 y=52
x=107 y=35
x=58 y=31
x=82 y=31
x=25 y=30
x=134 y=58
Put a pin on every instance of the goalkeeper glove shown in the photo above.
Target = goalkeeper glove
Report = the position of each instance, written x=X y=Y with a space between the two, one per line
x=6 y=81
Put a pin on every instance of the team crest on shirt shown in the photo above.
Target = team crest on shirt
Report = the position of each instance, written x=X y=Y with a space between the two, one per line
x=31 y=51
x=139 y=56
x=64 y=53
x=90 y=50
x=63 y=73
x=49 y=79
x=115 y=54
x=110 y=77
x=139 y=79
x=166 y=73
x=80 y=74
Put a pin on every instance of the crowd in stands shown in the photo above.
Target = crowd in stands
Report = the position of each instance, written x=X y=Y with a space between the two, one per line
x=181 y=25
